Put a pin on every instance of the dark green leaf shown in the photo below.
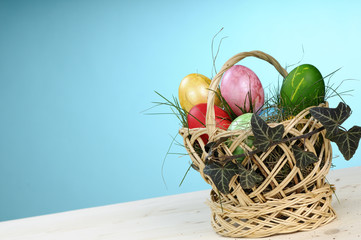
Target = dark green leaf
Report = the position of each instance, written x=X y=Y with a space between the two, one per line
x=248 y=178
x=264 y=134
x=303 y=158
x=212 y=145
x=331 y=118
x=211 y=148
x=347 y=141
x=221 y=175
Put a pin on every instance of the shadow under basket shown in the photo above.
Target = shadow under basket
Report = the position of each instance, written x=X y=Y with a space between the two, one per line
x=288 y=199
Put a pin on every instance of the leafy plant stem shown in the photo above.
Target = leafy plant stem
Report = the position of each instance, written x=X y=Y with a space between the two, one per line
x=226 y=159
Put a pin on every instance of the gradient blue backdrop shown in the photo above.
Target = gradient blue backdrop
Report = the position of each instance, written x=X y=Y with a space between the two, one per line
x=75 y=76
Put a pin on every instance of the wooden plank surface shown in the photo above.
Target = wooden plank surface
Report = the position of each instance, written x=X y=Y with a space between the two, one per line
x=183 y=216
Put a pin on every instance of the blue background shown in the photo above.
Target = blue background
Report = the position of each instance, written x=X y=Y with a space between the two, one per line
x=76 y=75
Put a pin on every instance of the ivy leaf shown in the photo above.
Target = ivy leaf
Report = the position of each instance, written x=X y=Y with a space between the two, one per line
x=212 y=145
x=248 y=178
x=221 y=175
x=303 y=158
x=347 y=141
x=264 y=134
x=211 y=148
x=331 y=118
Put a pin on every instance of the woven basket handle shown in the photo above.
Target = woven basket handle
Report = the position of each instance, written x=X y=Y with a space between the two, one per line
x=210 y=117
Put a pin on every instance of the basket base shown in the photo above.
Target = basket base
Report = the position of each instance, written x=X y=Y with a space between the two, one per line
x=298 y=212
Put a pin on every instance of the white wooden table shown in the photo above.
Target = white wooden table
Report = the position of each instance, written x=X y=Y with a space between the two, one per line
x=183 y=216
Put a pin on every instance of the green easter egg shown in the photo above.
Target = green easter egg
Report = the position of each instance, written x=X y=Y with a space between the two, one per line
x=303 y=87
x=242 y=122
x=239 y=150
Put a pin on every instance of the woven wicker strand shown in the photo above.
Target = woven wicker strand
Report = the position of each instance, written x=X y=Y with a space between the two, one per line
x=210 y=117
x=299 y=201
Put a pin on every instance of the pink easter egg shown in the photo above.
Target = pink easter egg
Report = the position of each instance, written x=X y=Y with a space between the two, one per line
x=242 y=90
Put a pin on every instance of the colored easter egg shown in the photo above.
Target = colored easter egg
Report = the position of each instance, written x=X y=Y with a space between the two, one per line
x=197 y=118
x=242 y=122
x=194 y=89
x=242 y=90
x=303 y=87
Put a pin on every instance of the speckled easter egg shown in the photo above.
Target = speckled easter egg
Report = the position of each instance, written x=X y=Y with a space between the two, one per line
x=242 y=90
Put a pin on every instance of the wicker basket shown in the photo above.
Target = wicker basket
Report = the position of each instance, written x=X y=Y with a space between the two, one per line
x=297 y=201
